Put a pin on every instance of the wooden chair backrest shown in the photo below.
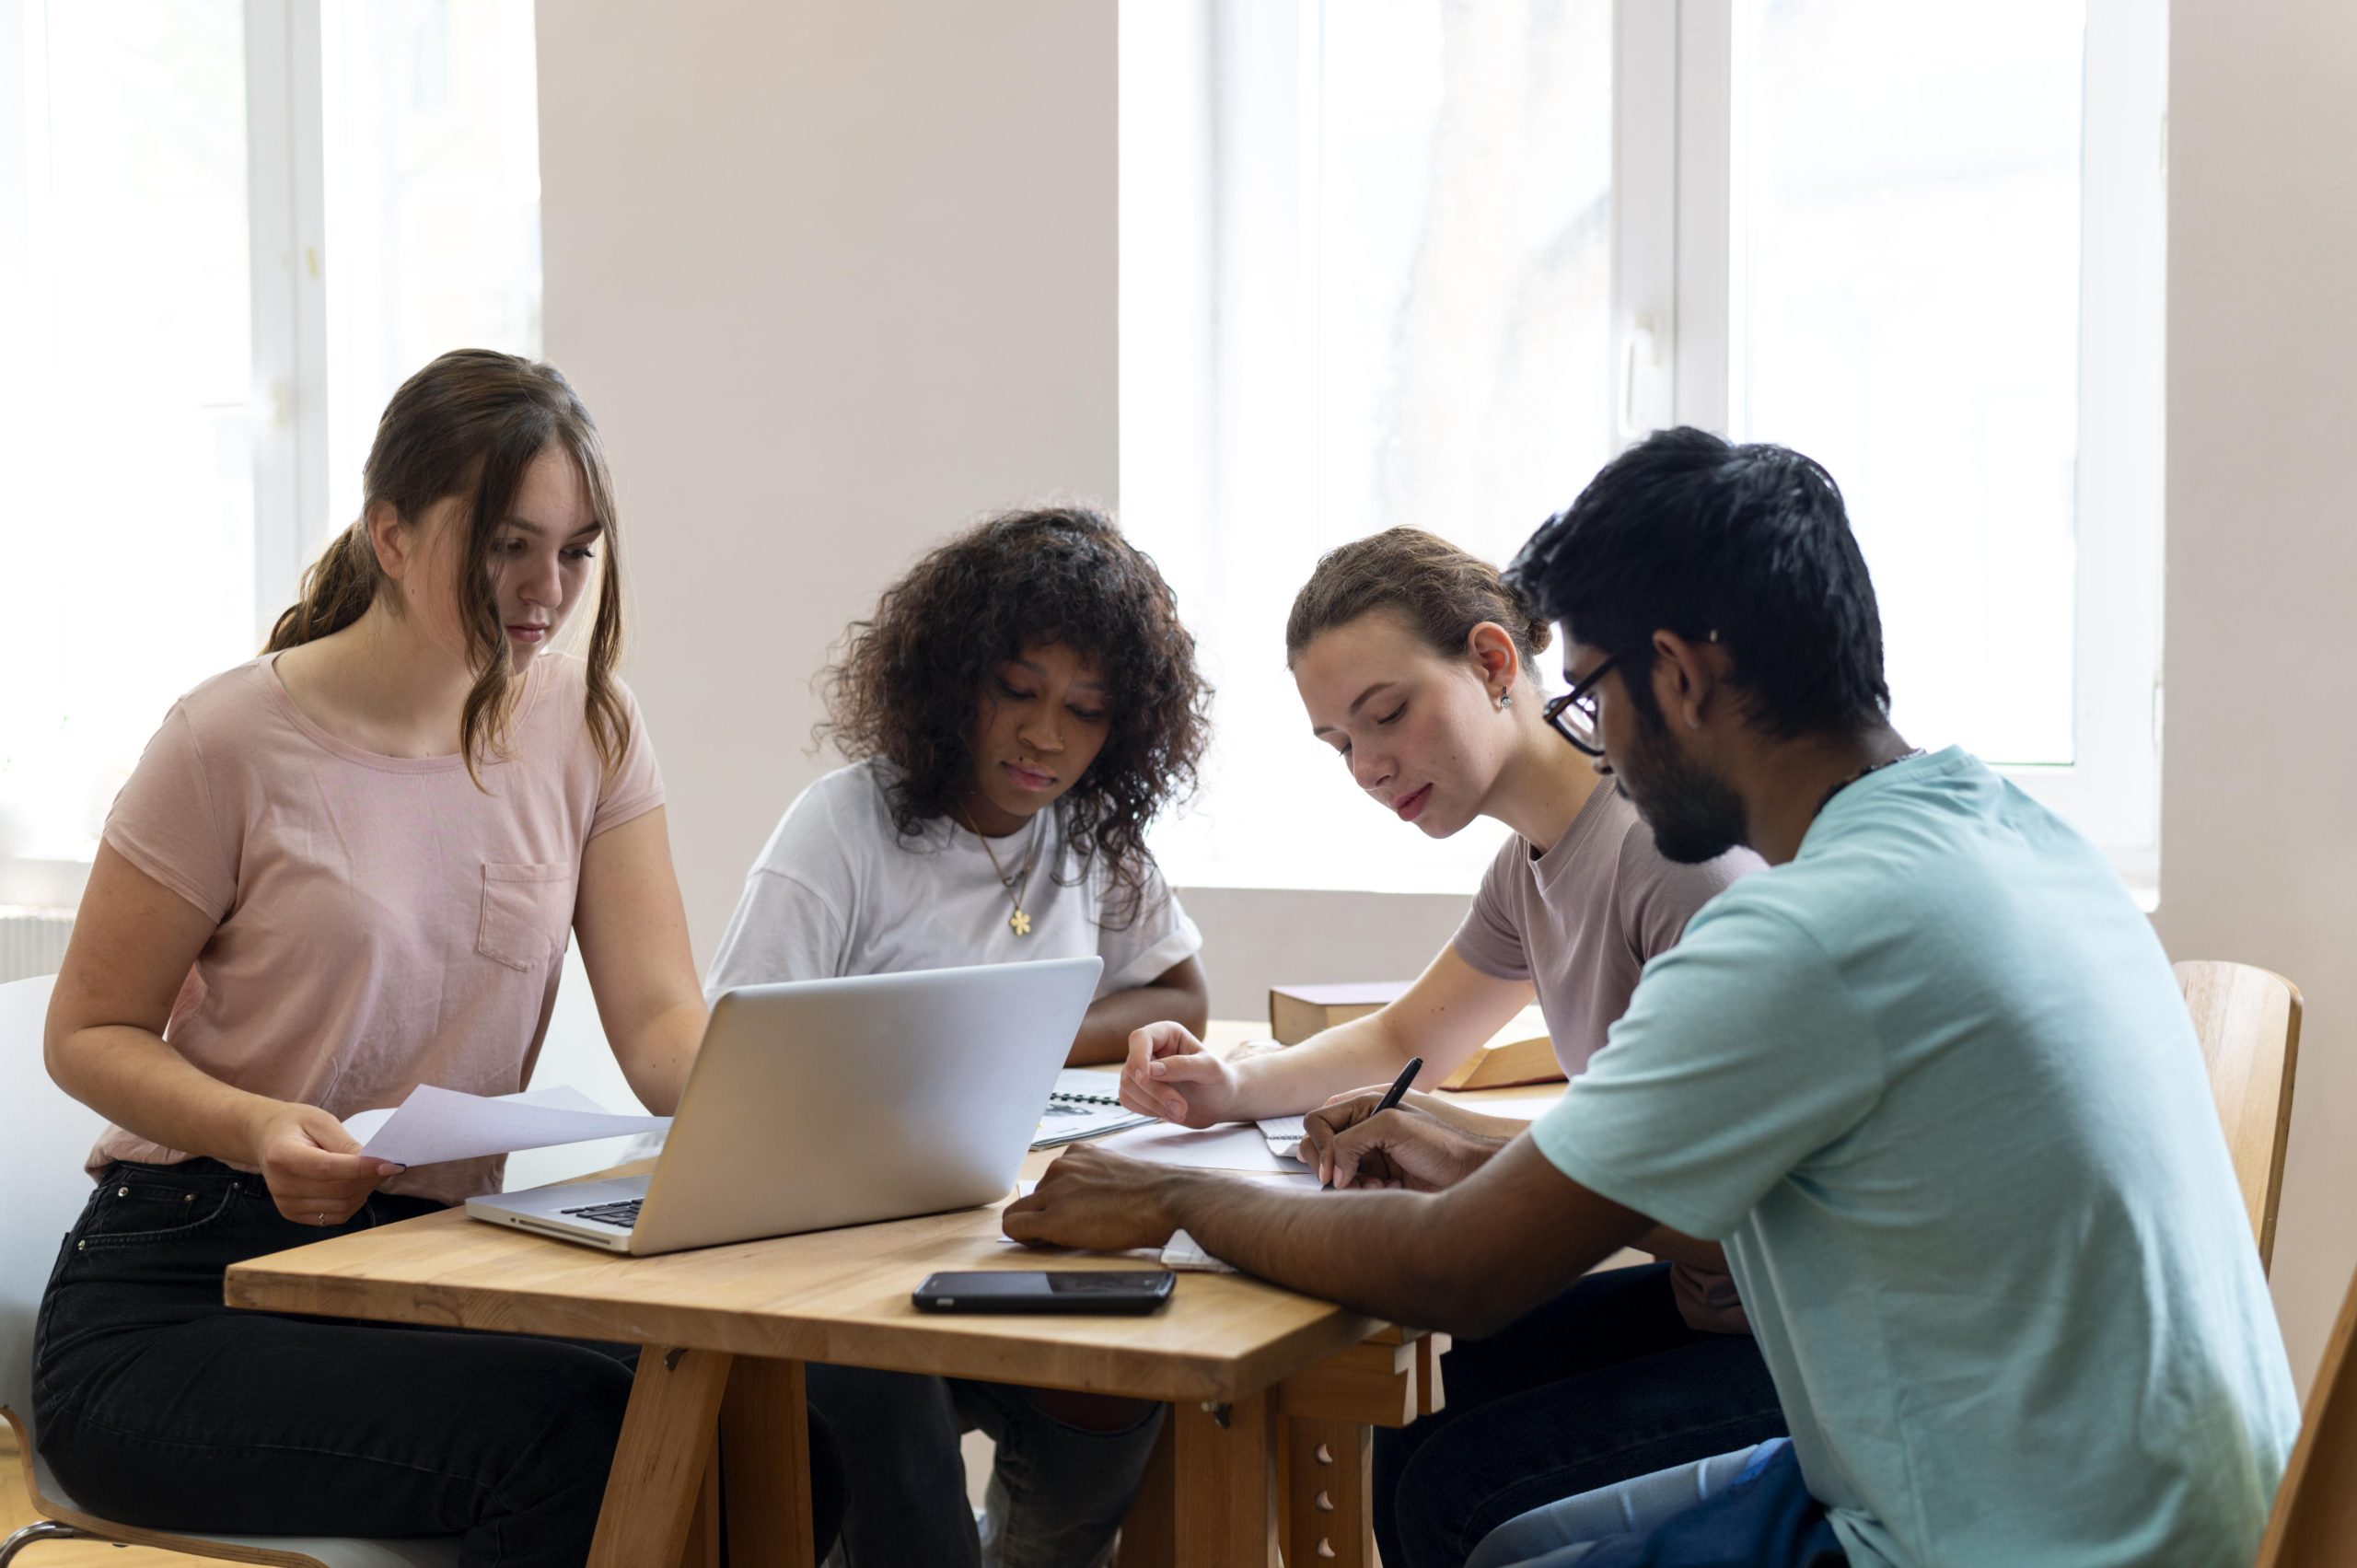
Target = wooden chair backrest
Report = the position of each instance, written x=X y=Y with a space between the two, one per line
x=2248 y=1023
x=2315 y=1522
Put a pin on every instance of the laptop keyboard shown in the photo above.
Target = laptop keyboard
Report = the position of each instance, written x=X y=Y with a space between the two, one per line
x=621 y=1216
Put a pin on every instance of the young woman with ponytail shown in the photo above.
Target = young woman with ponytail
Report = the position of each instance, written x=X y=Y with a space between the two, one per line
x=1415 y=661
x=344 y=869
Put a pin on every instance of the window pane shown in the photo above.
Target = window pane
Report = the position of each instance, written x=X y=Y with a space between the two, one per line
x=433 y=202
x=1908 y=314
x=1464 y=263
x=1412 y=210
x=126 y=464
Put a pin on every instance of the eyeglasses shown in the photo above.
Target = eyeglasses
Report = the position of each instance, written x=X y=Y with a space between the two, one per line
x=1573 y=715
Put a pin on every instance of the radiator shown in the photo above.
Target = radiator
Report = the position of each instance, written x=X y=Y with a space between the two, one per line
x=32 y=941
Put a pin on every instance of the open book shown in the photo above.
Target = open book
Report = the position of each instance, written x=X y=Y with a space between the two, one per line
x=1519 y=1053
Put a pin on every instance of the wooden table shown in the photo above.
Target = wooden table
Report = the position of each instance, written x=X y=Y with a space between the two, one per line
x=1272 y=1394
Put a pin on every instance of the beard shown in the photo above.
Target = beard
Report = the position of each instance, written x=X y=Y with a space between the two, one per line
x=1694 y=816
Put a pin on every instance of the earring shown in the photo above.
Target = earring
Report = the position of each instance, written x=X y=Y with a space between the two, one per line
x=1506 y=699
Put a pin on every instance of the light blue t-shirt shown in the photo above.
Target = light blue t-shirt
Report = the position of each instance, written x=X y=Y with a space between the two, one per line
x=1934 y=1087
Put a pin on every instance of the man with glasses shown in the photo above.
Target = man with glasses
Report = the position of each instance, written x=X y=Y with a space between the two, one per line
x=1928 y=1079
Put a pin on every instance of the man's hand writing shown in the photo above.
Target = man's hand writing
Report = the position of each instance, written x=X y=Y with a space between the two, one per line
x=1405 y=1146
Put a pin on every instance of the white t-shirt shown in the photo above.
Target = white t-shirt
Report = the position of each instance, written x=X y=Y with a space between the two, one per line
x=837 y=891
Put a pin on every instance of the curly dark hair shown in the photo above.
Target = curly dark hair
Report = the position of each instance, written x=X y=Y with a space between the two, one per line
x=907 y=680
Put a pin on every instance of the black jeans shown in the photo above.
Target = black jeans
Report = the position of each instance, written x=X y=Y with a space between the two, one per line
x=159 y=1405
x=1604 y=1383
x=1057 y=1492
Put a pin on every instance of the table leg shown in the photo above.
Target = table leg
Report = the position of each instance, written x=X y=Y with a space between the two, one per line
x=1430 y=1350
x=1223 y=1463
x=1326 y=1447
x=765 y=1456
x=660 y=1461
x=1325 y=1479
x=703 y=1547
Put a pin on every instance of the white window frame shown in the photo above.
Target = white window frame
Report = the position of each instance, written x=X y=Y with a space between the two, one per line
x=286 y=209
x=2111 y=789
x=1206 y=484
x=286 y=216
x=286 y=213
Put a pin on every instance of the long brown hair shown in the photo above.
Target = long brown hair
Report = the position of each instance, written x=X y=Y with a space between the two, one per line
x=1442 y=591
x=469 y=425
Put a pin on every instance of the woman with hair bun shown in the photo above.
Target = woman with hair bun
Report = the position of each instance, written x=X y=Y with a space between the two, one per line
x=1416 y=662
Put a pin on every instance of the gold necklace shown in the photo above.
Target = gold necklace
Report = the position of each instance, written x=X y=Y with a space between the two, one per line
x=1018 y=922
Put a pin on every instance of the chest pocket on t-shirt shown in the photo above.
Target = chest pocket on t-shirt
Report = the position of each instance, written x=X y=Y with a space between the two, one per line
x=526 y=910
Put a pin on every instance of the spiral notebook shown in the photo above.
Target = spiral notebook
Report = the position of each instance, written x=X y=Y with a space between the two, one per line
x=1084 y=1105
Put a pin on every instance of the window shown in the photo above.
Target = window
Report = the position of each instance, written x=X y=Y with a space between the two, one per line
x=432 y=132
x=227 y=232
x=1411 y=262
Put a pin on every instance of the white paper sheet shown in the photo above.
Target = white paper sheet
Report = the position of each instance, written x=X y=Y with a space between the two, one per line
x=1511 y=1108
x=434 y=1124
x=1234 y=1146
x=1283 y=1134
x=1186 y=1255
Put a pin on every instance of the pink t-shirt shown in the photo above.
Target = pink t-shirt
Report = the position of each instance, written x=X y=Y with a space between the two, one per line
x=1581 y=923
x=382 y=923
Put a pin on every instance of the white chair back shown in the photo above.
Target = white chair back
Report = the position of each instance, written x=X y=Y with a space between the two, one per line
x=44 y=1140
x=44 y=1137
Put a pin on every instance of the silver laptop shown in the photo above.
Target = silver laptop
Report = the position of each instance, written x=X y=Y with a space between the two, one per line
x=833 y=1102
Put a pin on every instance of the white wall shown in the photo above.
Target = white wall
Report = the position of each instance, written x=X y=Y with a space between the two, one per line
x=835 y=276
x=2258 y=793
x=1255 y=938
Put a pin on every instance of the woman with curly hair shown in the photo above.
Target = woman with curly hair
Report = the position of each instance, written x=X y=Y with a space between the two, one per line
x=1021 y=704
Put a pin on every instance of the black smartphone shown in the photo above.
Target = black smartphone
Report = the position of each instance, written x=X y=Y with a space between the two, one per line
x=1041 y=1290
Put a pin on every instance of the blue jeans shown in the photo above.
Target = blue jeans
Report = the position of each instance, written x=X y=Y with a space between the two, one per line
x=1057 y=1492
x=161 y=1406
x=1748 y=1509
x=1603 y=1383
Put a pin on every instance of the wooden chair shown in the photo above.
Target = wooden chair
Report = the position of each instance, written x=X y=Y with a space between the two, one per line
x=41 y=1173
x=2249 y=1022
x=2315 y=1521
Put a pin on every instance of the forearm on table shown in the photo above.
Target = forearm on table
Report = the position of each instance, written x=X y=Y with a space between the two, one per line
x=1304 y=1076
x=1468 y=1260
x=139 y=1082
x=1358 y=1248
x=1106 y=1028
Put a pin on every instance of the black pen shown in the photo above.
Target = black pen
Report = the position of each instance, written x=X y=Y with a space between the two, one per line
x=1391 y=1096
